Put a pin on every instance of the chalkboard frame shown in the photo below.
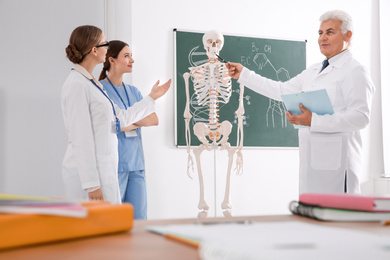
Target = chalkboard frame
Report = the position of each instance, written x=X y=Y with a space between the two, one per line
x=178 y=80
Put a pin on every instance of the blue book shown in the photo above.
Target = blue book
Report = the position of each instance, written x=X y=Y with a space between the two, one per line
x=316 y=101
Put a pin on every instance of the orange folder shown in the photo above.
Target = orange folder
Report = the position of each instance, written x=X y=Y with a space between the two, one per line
x=27 y=229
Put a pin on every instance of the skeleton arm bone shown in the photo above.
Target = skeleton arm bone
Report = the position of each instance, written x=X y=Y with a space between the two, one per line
x=240 y=133
x=187 y=118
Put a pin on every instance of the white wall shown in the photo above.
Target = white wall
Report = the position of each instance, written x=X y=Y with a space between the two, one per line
x=385 y=77
x=33 y=68
x=32 y=136
x=382 y=184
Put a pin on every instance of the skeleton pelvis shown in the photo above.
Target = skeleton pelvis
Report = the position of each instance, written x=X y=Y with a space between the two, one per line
x=201 y=130
x=214 y=136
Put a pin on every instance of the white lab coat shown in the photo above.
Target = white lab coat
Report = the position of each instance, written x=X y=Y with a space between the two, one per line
x=91 y=158
x=330 y=150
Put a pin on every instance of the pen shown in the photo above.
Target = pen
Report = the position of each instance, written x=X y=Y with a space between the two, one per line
x=219 y=57
x=181 y=239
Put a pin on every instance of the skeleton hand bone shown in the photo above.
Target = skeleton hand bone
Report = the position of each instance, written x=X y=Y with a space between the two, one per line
x=239 y=163
x=190 y=164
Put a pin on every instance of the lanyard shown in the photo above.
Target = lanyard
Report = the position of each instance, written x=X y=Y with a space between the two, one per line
x=117 y=125
x=116 y=91
x=101 y=90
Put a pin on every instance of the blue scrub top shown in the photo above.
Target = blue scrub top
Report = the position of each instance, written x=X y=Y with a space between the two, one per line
x=131 y=153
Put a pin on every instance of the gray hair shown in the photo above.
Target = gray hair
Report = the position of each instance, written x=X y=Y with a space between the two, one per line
x=342 y=16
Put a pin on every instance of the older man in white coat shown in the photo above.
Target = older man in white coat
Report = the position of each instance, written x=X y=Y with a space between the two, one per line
x=330 y=149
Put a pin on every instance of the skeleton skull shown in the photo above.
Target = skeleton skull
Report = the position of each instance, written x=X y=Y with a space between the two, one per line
x=213 y=43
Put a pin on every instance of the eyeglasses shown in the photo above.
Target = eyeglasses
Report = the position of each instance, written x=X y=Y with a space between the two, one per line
x=106 y=44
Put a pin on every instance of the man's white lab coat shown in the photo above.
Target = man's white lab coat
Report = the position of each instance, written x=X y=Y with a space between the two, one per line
x=91 y=158
x=331 y=149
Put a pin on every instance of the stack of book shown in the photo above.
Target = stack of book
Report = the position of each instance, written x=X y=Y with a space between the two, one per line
x=342 y=207
x=26 y=220
x=10 y=203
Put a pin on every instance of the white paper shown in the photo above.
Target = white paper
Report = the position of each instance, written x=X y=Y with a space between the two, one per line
x=282 y=240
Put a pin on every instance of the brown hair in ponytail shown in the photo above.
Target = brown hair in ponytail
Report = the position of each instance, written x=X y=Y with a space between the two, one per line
x=113 y=51
x=81 y=41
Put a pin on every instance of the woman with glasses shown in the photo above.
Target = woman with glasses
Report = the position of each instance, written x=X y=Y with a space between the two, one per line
x=92 y=121
x=131 y=169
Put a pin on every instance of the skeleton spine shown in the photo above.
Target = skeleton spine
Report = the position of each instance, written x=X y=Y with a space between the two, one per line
x=213 y=113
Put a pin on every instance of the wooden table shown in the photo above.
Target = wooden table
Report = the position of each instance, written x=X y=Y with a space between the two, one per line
x=141 y=244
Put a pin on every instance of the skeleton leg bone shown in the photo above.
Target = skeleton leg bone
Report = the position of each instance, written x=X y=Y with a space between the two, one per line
x=226 y=205
x=203 y=206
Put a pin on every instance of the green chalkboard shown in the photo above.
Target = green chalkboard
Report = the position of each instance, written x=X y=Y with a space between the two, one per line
x=265 y=123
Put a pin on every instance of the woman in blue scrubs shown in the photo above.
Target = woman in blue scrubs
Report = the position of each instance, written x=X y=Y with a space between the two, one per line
x=131 y=168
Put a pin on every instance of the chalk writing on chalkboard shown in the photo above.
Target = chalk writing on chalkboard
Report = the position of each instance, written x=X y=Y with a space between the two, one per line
x=260 y=59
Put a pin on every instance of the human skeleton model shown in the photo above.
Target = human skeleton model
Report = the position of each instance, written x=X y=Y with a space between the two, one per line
x=212 y=86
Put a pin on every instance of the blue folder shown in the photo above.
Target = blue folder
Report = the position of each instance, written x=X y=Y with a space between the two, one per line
x=316 y=101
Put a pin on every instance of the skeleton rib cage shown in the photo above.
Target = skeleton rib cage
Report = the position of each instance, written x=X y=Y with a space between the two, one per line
x=212 y=86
